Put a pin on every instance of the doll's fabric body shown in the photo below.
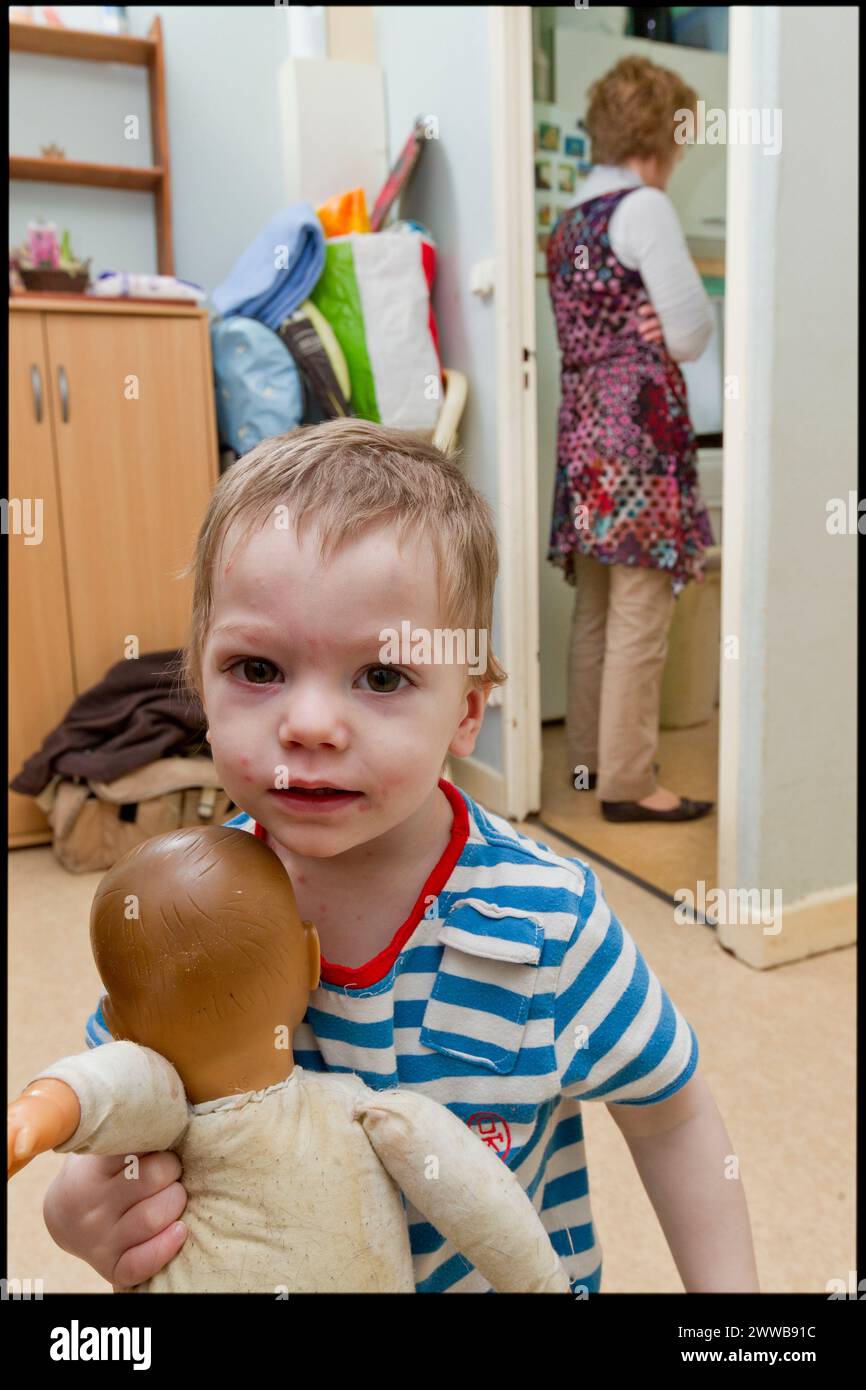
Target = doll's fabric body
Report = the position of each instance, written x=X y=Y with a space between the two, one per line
x=297 y=1187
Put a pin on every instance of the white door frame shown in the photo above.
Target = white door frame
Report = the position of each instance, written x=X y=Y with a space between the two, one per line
x=511 y=95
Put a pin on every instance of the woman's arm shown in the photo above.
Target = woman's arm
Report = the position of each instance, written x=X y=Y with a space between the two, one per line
x=646 y=235
x=690 y=1173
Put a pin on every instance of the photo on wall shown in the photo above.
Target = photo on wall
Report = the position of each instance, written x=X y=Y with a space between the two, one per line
x=559 y=133
x=543 y=173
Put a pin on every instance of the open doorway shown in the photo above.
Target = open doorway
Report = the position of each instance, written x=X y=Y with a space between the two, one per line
x=572 y=47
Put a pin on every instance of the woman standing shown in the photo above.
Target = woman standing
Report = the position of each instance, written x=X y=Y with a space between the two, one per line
x=629 y=526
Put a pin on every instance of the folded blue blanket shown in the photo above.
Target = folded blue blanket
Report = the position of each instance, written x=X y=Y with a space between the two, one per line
x=278 y=270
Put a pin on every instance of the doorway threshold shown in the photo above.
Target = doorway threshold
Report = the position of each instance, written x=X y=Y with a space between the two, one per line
x=639 y=882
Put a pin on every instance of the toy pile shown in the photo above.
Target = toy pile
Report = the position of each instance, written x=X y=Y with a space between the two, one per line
x=326 y=313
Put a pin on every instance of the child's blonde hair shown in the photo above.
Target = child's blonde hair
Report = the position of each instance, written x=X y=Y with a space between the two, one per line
x=346 y=476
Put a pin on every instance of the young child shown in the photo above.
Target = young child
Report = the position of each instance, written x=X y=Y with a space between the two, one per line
x=460 y=958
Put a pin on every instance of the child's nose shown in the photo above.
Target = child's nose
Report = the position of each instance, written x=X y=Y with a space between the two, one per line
x=312 y=718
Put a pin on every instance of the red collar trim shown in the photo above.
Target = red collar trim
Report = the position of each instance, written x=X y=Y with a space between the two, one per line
x=375 y=970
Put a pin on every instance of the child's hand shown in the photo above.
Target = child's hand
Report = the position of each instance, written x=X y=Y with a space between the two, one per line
x=125 y=1229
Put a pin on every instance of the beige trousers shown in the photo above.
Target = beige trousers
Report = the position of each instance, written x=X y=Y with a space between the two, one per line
x=618 y=645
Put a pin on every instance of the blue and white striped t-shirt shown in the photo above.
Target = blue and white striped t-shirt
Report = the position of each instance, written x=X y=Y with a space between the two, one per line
x=510 y=994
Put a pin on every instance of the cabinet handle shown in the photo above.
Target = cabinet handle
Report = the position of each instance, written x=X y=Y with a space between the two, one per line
x=36 y=384
x=64 y=394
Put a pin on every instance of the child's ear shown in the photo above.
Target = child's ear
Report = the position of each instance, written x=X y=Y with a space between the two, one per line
x=463 y=742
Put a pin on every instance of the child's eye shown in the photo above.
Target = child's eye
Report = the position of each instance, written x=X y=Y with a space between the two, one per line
x=254 y=664
x=384 y=679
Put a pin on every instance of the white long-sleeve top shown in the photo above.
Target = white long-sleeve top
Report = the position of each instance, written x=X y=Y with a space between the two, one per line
x=645 y=234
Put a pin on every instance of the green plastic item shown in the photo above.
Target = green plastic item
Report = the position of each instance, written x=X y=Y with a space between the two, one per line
x=337 y=296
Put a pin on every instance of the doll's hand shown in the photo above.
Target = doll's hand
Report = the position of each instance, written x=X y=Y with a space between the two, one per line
x=46 y=1114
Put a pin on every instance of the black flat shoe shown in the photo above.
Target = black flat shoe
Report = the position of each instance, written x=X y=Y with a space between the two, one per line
x=593 y=780
x=622 y=811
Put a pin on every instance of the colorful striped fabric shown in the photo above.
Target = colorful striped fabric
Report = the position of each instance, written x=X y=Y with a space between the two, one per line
x=511 y=994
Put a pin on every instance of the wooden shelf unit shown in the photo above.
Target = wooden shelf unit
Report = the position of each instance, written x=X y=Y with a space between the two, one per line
x=107 y=48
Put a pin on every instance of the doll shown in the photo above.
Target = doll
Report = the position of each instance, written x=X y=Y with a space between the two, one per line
x=294 y=1177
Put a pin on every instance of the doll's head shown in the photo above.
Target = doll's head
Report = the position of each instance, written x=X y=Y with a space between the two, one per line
x=198 y=941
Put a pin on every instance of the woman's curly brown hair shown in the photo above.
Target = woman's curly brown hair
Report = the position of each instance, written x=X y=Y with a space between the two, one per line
x=632 y=111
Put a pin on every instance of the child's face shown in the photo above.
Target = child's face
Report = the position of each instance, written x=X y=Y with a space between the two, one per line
x=296 y=690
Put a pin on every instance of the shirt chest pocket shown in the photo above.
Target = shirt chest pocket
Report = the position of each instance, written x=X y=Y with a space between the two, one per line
x=480 y=1001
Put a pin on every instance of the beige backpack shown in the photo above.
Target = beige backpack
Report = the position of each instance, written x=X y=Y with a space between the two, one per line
x=95 y=823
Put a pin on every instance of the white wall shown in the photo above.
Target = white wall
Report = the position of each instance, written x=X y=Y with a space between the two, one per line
x=805 y=830
x=435 y=62
x=789 y=735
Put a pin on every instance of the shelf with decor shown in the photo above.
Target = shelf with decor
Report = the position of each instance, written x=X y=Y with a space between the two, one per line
x=107 y=48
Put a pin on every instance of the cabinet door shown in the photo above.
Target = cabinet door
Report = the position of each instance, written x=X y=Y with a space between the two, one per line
x=41 y=674
x=136 y=465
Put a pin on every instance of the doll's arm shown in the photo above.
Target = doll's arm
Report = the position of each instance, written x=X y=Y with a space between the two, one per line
x=130 y=1100
x=468 y=1194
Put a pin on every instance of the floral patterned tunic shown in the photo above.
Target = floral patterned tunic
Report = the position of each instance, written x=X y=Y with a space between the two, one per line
x=626 y=488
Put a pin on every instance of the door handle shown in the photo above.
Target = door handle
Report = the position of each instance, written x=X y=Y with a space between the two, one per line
x=63 y=385
x=36 y=386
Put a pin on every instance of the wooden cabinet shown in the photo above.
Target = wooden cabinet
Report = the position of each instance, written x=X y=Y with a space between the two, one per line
x=113 y=457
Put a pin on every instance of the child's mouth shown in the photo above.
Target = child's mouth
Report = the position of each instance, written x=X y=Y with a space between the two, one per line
x=315 y=798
